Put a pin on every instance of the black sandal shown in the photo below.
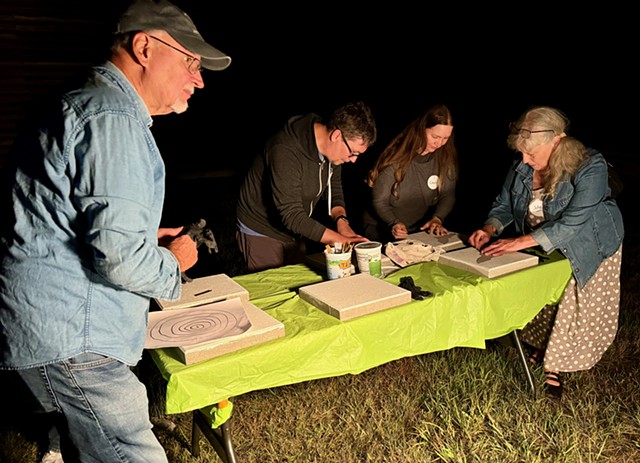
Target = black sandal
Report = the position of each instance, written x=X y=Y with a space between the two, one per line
x=553 y=383
x=535 y=359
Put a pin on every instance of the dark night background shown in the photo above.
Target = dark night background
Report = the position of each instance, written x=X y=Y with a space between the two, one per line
x=400 y=60
x=487 y=63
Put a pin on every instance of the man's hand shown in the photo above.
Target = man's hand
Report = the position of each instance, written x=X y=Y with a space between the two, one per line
x=331 y=237
x=202 y=235
x=165 y=235
x=345 y=229
x=181 y=246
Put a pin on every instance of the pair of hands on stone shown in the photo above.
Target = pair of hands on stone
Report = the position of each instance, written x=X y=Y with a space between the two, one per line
x=433 y=227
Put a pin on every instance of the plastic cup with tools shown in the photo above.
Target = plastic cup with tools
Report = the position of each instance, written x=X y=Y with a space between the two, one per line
x=338 y=263
x=369 y=257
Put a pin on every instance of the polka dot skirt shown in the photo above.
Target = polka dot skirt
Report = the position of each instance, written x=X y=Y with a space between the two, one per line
x=578 y=331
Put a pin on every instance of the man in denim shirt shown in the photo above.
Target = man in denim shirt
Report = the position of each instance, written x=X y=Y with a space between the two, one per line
x=81 y=251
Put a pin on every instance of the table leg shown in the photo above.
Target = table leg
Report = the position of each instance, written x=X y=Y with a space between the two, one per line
x=195 y=436
x=525 y=363
x=220 y=438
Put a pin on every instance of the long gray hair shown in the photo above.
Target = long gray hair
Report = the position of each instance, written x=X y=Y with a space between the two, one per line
x=567 y=156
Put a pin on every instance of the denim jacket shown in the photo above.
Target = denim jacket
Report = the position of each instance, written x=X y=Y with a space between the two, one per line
x=582 y=221
x=79 y=255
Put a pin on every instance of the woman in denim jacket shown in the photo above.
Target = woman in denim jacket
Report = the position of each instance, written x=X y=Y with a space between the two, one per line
x=558 y=197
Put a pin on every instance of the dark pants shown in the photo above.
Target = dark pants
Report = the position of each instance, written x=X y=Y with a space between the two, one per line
x=263 y=252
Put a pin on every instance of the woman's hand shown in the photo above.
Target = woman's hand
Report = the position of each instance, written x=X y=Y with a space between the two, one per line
x=434 y=227
x=399 y=231
x=506 y=245
x=480 y=237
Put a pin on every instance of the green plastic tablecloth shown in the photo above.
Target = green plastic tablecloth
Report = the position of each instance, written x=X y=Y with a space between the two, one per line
x=464 y=311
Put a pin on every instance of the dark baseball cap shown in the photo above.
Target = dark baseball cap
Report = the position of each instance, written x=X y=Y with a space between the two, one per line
x=144 y=15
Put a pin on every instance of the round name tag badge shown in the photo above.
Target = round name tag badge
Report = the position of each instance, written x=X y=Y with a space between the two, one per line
x=432 y=182
x=535 y=207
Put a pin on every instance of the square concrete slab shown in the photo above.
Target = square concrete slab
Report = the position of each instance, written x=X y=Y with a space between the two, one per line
x=354 y=296
x=448 y=242
x=472 y=260
x=206 y=290
x=263 y=328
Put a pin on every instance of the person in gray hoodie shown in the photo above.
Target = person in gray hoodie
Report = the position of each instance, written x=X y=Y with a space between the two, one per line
x=300 y=165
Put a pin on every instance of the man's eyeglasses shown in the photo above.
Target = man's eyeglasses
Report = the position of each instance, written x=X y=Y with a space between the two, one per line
x=351 y=152
x=525 y=133
x=193 y=63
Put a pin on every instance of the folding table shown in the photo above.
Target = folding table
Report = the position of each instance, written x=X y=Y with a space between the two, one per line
x=465 y=310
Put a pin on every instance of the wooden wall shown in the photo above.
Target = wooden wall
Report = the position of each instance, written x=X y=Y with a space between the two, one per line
x=44 y=44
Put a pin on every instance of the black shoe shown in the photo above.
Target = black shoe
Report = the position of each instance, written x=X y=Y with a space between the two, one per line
x=553 y=384
x=536 y=358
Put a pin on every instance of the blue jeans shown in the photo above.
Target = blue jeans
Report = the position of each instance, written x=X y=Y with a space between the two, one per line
x=105 y=408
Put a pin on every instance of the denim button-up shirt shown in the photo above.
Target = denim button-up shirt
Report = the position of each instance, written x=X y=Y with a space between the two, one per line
x=582 y=221
x=79 y=258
